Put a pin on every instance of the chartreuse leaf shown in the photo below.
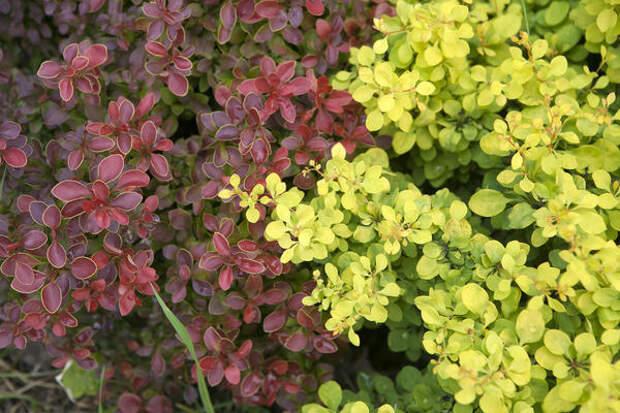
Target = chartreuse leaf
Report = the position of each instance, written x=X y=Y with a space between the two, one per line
x=330 y=394
x=475 y=298
x=487 y=202
x=557 y=341
x=530 y=326
x=185 y=338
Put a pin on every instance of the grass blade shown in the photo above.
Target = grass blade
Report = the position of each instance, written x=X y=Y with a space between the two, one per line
x=187 y=341
x=100 y=398
x=527 y=24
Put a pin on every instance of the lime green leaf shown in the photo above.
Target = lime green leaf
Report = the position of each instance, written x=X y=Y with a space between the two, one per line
x=475 y=298
x=487 y=202
x=425 y=88
x=557 y=341
x=530 y=326
x=330 y=394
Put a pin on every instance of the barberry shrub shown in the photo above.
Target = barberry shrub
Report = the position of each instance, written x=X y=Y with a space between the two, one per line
x=290 y=177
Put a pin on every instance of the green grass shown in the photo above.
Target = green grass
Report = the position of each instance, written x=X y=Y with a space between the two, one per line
x=187 y=341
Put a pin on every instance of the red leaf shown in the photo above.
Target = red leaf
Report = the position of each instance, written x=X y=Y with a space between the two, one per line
x=24 y=273
x=49 y=70
x=51 y=297
x=267 y=9
x=83 y=268
x=75 y=159
x=158 y=364
x=323 y=28
x=248 y=86
x=56 y=254
x=250 y=266
x=127 y=201
x=156 y=49
x=131 y=179
x=208 y=363
x=129 y=403
x=245 y=349
x=228 y=15
x=97 y=54
x=126 y=303
x=182 y=63
x=65 y=87
x=274 y=296
x=145 y=105
x=315 y=7
x=286 y=70
x=101 y=144
x=324 y=346
x=296 y=342
x=15 y=157
x=33 y=239
x=110 y=167
x=221 y=244
x=250 y=384
x=79 y=62
x=226 y=278
x=274 y=321
x=148 y=133
x=159 y=165
x=233 y=374
x=177 y=84
x=287 y=110
x=51 y=216
x=126 y=111
x=247 y=245
x=69 y=52
x=70 y=191
x=212 y=339
x=95 y=5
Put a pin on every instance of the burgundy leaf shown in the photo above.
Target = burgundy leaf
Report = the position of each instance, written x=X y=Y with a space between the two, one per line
x=127 y=201
x=233 y=374
x=101 y=144
x=274 y=321
x=15 y=157
x=110 y=168
x=129 y=403
x=24 y=273
x=221 y=244
x=56 y=254
x=296 y=342
x=156 y=49
x=226 y=278
x=159 y=165
x=177 y=84
x=49 y=70
x=133 y=178
x=75 y=159
x=51 y=216
x=158 y=364
x=51 y=297
x=70 y=191
x=315 y=7
x=66 y=89
x=267 y=9
x=250 y=384
x=250 y=266
x=83 y=268
x=34 y=239
x=228 y=15
x=97 y=54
